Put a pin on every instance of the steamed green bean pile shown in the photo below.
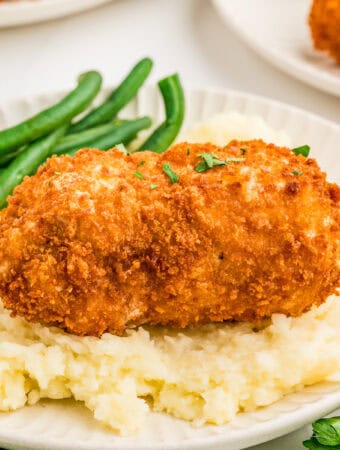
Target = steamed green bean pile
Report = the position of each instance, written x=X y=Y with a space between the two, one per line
x=57 y=131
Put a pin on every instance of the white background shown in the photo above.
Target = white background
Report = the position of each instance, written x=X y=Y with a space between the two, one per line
x=180 y=35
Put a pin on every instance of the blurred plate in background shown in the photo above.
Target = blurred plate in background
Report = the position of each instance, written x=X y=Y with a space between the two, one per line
x=278 y=30
x=23 y=12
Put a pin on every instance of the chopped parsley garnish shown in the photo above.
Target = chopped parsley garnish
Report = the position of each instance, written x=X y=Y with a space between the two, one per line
x=153 y=186
x=139 y=175
x=297 y=172
x=210 y=160
x=188 y=151
x=201 y=167
x=174 y=178
x=303 y=150
x=141 y=163
x=243 y=150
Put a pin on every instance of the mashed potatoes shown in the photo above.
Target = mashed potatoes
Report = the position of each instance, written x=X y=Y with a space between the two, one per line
x=205 y=375
x=222 y=128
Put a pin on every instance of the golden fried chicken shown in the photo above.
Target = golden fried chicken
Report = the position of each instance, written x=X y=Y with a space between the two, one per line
x=104 y=241
x=324 y=21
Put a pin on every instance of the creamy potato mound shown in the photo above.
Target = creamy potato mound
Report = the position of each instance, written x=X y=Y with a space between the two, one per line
x=222 y=128
x=204 y=375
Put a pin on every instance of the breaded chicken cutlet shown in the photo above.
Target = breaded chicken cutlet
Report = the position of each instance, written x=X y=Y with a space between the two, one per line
x=105 y=241
x=324 y=21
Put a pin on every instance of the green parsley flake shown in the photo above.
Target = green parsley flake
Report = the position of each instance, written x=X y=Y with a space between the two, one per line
x=297 y=172
x=243 y=150
x=201 y=167
x=139 y=175
x=174 y=178
x=153 y=186
x=303 y=150
x=141 y=163
x=210 y=160
x=188 y=151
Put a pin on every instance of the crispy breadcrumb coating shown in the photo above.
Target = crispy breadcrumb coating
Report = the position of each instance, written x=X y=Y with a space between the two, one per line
x=324 y=21
x=91 y=246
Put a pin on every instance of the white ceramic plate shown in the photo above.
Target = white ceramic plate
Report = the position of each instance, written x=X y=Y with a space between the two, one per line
x=278 y=31
x=68 y=425
x=23 y=12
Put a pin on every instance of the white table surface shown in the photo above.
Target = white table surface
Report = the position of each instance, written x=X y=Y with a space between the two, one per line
x=180 y=35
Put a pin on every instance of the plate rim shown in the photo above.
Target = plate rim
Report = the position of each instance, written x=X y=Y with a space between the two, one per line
x=320 y=80
x=201 y=443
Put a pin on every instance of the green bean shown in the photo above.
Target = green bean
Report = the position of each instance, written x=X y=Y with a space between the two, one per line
x=48 y=120
x=7 y=157
x=166 y=133
x=82 y=139
x=125 y=92
x=27 y=163
x=85 y=138
x=122 y=134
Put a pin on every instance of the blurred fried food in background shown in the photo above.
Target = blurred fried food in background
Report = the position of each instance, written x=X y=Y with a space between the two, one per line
x=324 y=21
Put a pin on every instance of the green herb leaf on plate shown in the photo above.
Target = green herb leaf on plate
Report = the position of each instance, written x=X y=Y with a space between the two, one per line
x=327 y=431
